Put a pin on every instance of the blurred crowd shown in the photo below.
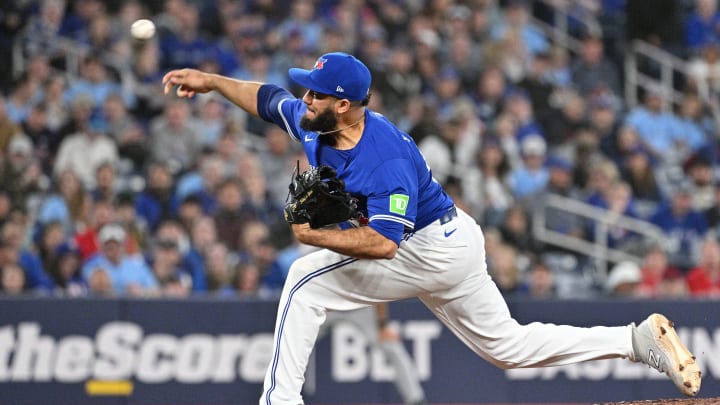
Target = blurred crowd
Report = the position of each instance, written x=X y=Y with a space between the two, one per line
x=108 y=187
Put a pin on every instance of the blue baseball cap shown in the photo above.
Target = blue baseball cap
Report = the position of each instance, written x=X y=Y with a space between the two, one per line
x=337 y=74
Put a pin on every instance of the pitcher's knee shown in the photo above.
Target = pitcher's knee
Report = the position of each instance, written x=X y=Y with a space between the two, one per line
x=299 y=270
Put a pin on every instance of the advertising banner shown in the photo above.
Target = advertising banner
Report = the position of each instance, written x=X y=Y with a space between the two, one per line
x=196 y=351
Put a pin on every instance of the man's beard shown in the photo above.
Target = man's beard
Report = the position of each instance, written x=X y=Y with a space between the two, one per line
x=324 y=122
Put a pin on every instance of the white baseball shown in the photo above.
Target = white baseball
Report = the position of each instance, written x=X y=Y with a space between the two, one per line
x=142 y=29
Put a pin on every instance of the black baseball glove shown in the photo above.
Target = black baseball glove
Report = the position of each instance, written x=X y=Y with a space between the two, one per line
x=318 y=197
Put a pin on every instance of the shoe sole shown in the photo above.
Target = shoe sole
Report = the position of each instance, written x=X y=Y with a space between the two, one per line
x=683 y=369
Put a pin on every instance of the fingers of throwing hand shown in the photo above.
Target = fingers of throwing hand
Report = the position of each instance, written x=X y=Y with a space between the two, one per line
x=183 y=91
x=169 y=80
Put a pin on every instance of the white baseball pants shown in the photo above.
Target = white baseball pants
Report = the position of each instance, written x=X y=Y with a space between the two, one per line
x=444 y=266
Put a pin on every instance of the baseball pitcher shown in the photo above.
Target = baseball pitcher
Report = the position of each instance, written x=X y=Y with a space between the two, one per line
x=403 y=238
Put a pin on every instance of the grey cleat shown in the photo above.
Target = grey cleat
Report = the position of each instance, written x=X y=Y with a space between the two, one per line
x=656 y=344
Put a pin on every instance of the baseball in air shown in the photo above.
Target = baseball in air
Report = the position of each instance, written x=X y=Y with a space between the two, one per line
x=142 y=29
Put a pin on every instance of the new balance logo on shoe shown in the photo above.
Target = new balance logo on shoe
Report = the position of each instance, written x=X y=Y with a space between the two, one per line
x=653 y=359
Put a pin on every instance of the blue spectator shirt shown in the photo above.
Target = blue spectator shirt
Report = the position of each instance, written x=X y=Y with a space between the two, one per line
x=524 y=182
x=655 y=129
x=385 y=170
x=130 y=270
x=683 y=232
x=699 y=32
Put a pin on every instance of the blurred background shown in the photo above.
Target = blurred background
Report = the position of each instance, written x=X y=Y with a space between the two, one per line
x=582 y=136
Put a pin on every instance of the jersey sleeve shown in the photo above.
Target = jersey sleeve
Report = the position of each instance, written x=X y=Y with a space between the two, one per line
x=278 y=106
x=392 y=206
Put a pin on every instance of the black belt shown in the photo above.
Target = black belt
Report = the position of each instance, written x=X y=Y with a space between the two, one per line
x=448 y=216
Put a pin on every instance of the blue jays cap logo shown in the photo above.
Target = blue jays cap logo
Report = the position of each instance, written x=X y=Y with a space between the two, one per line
x=337 y=74
x=320 y=63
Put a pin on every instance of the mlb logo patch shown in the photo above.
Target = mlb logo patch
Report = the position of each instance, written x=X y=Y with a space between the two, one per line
x=320 y=63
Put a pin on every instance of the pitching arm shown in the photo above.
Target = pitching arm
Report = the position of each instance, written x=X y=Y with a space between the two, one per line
x=191 y=81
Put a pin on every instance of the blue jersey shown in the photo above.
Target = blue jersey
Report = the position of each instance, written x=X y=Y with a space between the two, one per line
x=385 y=170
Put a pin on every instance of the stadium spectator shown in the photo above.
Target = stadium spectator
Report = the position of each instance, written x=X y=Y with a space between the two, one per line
x=701 y=24
x=712 y=214
x=444 y=150
x=700 y=174
x=8 y=128
x=657 y=128
x=47 y=239
x=220 y=269
x=173 y=137
x=95 y=80
x=559 y=183
x=541 y=282
x=81 y=110
x=703 y=70
x=64 y=202
x=485 y=182
x=637 y=171
x=129 y=275
x=35 y=127
x=516 y=231
x=562 y=124
x=12 y=280
x=694 y=124
x=125 y=130
x=65 y=271
x=619 y=203
x=146 y=80
x=603 y=173
x=274 y=163
x=539 y=86
x=593 y=73
x=247 y=280
x=684 y=227
x=659 y=23
x=136 y=229
x=235 y=144
x=57 y=110
x=86 y=236
x=85 y=151
x=517 y=103
x=255 y=246
x=105 y=184
x=398 y=83
x=504 y=270
x=19 y=101
x=532 y=176
x=191 y=259
x=232 y=213
x=623 y=281
x=42 y=30
x=157 y=202
x=210 y=121
x=16 y=251
x=489 y=94
x=514 y=19
x=659 y=279
x=100 y=284
x=258 y=200
x=20 y=172
x=165 y=264
x=704 y=279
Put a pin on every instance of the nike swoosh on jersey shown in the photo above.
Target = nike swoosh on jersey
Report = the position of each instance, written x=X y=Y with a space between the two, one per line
x=308 y=138
x=447 y=234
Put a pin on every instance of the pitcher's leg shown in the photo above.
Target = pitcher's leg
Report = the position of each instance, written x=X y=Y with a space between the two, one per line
x=316 y=283
x=301 y=312
x=477 y=313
